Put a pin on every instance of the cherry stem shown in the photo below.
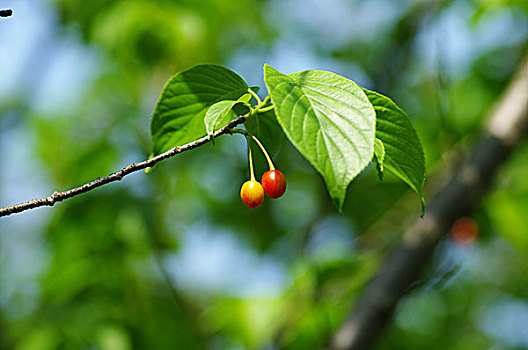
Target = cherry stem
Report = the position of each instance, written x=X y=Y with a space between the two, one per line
x=270 y=163
x=248 y=135
x=251 y=172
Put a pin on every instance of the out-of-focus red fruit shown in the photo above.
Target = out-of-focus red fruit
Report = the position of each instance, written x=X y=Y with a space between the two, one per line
x=465 y=231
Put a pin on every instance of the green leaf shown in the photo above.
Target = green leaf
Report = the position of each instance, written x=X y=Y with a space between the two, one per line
x=242 y=107
x=219 y=114
x=255 y=89
x=329 y=120
x=266 y=128
x=404 y=155
x=379 y=155
x=178 y=117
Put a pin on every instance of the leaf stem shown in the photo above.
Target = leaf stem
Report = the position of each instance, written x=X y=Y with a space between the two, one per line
x=266 y=100
x=266 y=109
x=256 y=97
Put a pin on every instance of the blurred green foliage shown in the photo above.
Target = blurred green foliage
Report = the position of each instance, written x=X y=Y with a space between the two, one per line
x=109 y=266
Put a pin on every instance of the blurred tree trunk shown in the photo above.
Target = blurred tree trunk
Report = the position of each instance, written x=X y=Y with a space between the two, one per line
x=504 y=132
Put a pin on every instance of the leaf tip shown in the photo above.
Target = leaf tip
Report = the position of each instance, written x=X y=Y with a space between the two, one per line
x=422 y=201
x=338 y=203
x=380 y=172
x=268 y=68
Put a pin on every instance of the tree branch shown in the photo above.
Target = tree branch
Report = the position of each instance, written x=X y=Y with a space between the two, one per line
x=118 y=175
x=508 y=125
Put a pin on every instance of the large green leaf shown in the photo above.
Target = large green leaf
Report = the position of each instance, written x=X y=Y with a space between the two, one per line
x=329 y=120
x=179 y=114
x=404 y=155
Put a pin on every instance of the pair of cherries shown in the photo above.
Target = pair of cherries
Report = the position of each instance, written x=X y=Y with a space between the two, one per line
x=273 y=181
x=252 y=192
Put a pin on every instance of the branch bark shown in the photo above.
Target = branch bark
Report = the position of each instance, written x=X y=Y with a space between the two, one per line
x=118 y=175
x=506 y=129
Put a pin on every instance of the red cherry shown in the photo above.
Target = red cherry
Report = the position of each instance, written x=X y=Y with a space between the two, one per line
x=274 y=183
x=252 y=194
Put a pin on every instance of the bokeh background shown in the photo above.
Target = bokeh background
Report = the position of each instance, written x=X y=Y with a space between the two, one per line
x=172 y=259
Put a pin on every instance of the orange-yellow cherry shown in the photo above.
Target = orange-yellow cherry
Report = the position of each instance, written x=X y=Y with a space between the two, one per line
x=252 y=194
x=274 y=183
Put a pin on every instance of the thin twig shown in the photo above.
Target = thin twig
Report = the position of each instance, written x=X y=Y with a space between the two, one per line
x=100 y=181
x=6 y=13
